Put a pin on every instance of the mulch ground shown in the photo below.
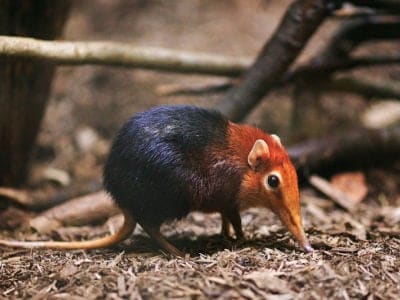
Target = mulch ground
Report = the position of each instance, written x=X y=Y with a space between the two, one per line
x=356 y=256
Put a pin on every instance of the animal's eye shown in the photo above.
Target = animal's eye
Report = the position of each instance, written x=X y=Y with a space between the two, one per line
x=273 y=181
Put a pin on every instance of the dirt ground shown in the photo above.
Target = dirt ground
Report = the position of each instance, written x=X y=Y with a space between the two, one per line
x=357 y=254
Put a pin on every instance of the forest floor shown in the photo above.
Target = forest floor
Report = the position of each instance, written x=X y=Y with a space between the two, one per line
x=357 y=253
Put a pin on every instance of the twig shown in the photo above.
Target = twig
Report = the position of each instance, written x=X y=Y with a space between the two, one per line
x=392 y=6
x=19 y=196
x=194 y=89
x=120 y=54
x=79 y=211
x=389 y=232
x=299 y=23
x=353 y=33
x=353 y=149
x=363 y=87
x=309 y=71
x=315 y=69
x=42 y=199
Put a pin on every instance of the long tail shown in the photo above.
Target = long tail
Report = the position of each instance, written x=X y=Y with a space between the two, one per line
x=122 y=234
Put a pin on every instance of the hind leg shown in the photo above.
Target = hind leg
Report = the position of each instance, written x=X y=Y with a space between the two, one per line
x=154 y=233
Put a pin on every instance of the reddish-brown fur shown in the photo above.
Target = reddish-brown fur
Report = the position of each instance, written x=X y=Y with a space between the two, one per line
x=285 y=202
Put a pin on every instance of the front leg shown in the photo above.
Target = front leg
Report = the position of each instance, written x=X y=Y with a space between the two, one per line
x=226 y=227
x=234 y=218
x=228 y=218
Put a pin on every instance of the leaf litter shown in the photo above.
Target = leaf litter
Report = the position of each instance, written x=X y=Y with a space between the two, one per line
x=357 y=256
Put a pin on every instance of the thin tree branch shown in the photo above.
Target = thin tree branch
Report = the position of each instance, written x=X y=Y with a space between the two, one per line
x=353 y=149
x=299 y=23
x=353 y=33
x=343 y=64
x=193 y=89
x=120 y=54
x=42 y=199
x=392 y=6
x=363 y=87
x=310 y=71
x=82 y=53
x=82 y=210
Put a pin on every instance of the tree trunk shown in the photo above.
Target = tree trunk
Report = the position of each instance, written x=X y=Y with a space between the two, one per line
x=24 y=84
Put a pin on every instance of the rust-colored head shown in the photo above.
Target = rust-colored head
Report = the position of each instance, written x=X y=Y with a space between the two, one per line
x=271 y=181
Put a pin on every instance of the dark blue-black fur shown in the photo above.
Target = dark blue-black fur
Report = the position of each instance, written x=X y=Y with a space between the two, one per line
x=159 y=164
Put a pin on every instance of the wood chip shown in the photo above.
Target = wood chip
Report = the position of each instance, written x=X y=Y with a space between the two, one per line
x=352 y=184
x=333 y=193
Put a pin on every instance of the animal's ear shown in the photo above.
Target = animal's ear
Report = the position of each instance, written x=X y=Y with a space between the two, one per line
x=277 y=139
x=258 y=153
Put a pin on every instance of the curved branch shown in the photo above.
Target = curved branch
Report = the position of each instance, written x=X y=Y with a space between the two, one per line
x=392 y=6
x=366 y=88
x=121 y=54
x=299 y=23
x=353 y=33
x=359 y=148
x=311 y=70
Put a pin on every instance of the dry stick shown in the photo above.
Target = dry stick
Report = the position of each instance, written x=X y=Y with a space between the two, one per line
x=353 y=149
x=42 y=199
x=311 y=71
x=391 y=6
x=120 y=54
x=336 y=195
x=79 y=211
x=315 y=69
x=335 y=55
x=193 y=89
x=366 y=88
x=299 y=23
x=349 y=36
x=306 y=117
x=352 y=34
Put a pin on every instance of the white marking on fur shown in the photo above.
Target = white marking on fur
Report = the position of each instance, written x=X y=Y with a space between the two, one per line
x=219 y=163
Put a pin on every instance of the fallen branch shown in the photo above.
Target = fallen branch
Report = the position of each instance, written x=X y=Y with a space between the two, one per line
x=309 y=71
x=354 y=149
x=193 y=89
x=123 y=55
x=84 y=210
x=363 y=87
x=42 y=199
x=391 y=6
x=299 y=23
x=353 y=33
x=316 y=69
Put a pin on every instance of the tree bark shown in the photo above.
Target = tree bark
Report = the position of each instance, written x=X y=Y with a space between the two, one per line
x=299 y=23
x=25 y=85
x=360 y=148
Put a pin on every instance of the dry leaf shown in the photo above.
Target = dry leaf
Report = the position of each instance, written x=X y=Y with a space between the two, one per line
x=352 y=184
x=268 y=280
x=68 y=270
